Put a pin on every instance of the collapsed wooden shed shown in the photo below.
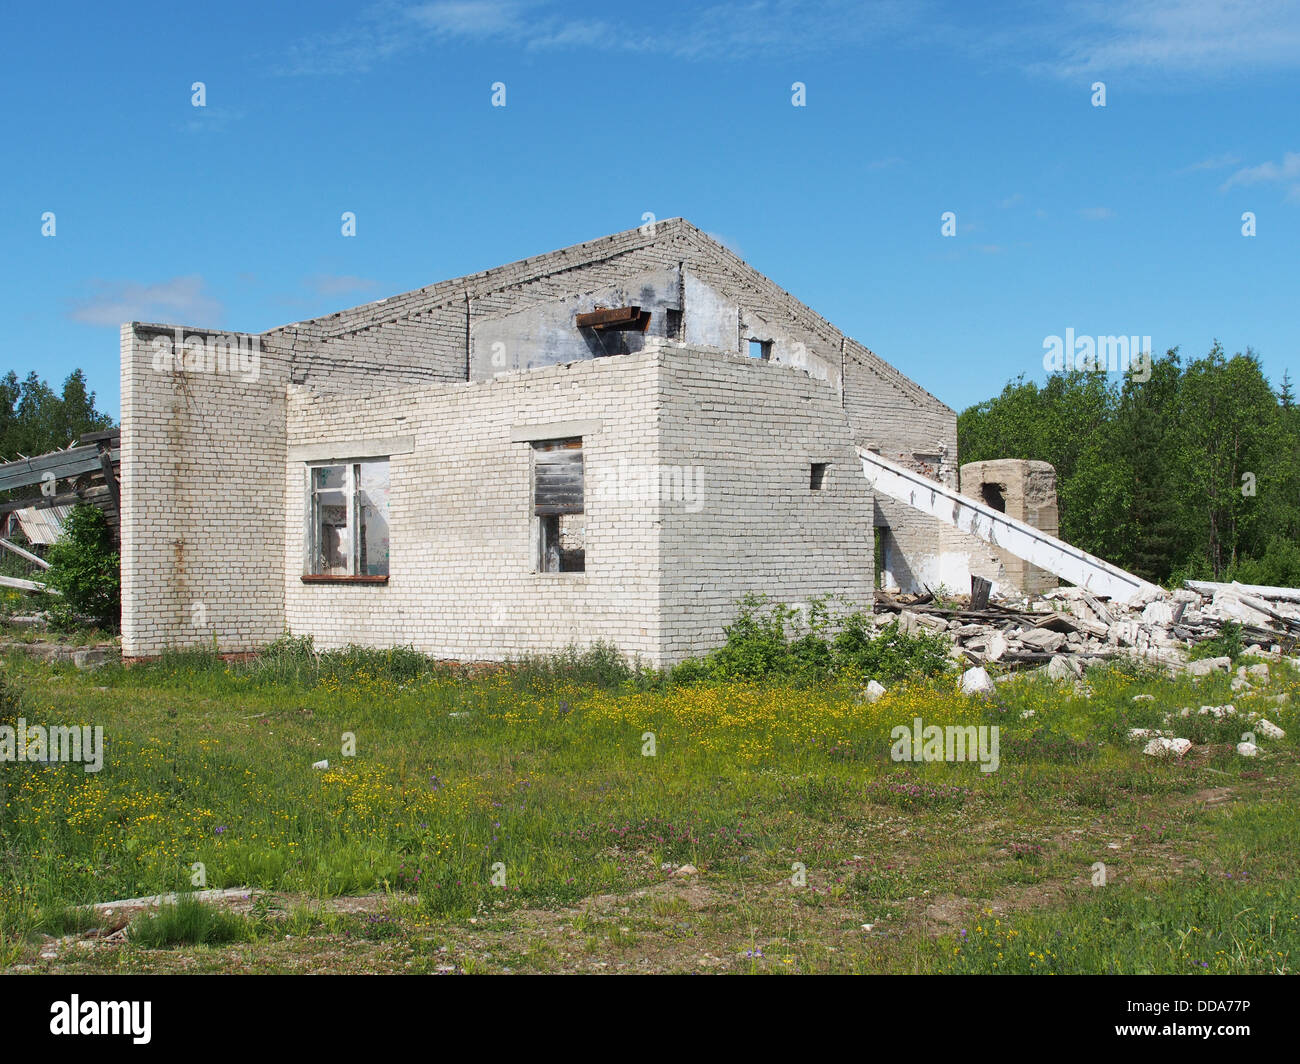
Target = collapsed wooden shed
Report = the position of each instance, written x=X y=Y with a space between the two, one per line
x=37 y=494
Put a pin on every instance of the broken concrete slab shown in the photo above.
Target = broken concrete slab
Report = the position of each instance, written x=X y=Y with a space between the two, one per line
x=1165 y=747
x=1269 y=730
x=1041 y=639
x=1160 y=629
x=1061 y=668
x=976 y=683
x=1208 y=666
x=157 y=900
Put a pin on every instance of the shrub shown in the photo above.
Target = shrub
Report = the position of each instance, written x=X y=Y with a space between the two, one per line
x=188 y=922
x=1227 y=644
x=891 y=653
x=85 y=569
x=756 y=645
x=600 y=665
x=759 y=647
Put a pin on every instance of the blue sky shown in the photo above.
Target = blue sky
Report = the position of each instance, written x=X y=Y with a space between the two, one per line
x=1117 y=220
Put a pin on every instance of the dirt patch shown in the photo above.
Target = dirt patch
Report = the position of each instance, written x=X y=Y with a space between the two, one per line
x=1214 y=795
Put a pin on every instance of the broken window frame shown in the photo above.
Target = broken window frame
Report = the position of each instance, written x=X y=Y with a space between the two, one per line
x=551 y=503
x=356 y=500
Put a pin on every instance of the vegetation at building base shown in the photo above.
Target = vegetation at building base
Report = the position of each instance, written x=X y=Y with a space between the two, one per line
x=1192 y=473
x=773 y=641
x=541 y=768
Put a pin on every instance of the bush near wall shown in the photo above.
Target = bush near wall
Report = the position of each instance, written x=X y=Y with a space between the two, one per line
x=85 y=570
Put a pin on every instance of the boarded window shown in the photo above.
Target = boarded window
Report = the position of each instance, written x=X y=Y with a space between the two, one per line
x=558 y=506
x=349 y=531
x=557 y=477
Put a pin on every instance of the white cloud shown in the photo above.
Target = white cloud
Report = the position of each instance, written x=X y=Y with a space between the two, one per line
x=1286 y=172
x=1140 y=39
x=777 y=28
x=726 y=242
x=1147 y=41
x=180 y=301
x=1096 y=214
x=466 y=18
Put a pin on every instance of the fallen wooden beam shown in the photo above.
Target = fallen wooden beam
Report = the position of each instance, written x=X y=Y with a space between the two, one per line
x=46 y=502
x=612 y=318
x=60 y=465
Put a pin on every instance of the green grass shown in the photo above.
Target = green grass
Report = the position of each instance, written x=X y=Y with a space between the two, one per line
x=1203 y=926
x=538 y=771
x=187 y=922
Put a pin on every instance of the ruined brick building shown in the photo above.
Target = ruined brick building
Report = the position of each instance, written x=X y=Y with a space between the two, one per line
x=614 y=441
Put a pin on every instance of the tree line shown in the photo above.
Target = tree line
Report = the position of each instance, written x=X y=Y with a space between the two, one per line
x=35 y=419
x=1193 y=473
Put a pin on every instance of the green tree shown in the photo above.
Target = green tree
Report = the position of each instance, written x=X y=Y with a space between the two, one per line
x=85 y=569
x=33 y=419
x=1194 y=471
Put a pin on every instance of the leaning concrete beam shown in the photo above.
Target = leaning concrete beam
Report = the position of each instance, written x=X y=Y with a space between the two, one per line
x=1023 y=540
x=1282 y=594
x=26 y=585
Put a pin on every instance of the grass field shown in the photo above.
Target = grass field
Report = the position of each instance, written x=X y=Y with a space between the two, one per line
x=516 y=820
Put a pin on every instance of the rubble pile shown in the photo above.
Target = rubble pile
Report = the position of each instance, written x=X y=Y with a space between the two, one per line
x=1067 y=628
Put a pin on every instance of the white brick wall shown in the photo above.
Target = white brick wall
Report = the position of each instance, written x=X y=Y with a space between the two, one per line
x=202 y=503
x=212 y=511
x=461 y=583
x=754 y=428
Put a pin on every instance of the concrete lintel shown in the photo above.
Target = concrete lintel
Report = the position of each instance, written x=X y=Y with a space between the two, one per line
x=555 y=430
x=346 y=450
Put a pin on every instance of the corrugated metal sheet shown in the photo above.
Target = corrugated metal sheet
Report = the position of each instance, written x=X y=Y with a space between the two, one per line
x=42 y=526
